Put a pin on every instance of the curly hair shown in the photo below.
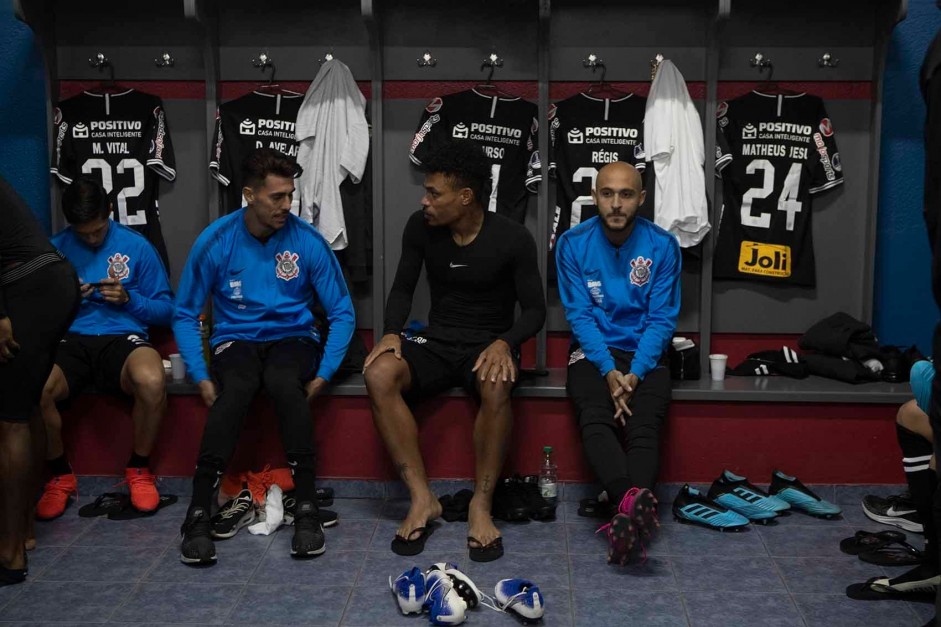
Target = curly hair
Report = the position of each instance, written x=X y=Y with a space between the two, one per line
x=464 y=164
x=261 y=162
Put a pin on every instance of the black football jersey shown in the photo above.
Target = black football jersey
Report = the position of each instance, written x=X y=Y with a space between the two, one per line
x=773 y=152
x=505 y=127
x=255 y=120
x=123 y=140
x=587 y=133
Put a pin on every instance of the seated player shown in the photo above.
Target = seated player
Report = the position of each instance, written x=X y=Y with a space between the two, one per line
x=125 y=290
x=911 y=511
x=479 y=265
x=619 y=280
x=262 y=266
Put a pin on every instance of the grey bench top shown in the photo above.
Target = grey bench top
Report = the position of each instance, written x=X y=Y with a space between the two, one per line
x=733 y=389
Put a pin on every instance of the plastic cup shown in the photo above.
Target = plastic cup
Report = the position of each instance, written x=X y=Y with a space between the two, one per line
x=717 y=363
x=177 y=367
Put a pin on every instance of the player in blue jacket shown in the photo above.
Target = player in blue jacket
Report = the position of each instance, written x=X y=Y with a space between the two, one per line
x=125 y=290
x=619 y=280
x=262 y=267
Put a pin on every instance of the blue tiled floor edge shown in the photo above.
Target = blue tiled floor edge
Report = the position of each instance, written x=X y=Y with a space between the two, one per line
x=569 y=491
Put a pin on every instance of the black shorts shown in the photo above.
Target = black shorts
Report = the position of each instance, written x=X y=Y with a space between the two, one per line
x=96 y=360
x=41 y=307
x=438 y=365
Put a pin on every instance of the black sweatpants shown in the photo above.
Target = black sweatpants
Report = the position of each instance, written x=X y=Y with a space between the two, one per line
x=239 y=370
x=621 y=457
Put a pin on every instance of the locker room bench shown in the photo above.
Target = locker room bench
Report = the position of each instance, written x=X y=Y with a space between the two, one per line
x=733 y=389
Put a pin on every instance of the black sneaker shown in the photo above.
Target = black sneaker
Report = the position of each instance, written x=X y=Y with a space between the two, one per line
x=234 y=515
x=197 y=547
x=308 y=538
x=328 y=518
x=539 y=507
x=509 y=501
x=898 y=511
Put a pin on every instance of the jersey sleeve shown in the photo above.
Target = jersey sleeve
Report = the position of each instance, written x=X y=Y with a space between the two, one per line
x=432 y=132
x=826 y=170
x=534 y=165
x=662 y=310
x=554 y=124
x=194 y=288
x=152 y=302
x=218 y=163
x=64 y=165
x=399 y=302
x=723 y=151
x=578 y=306
x=160 y=156
x=327 y=279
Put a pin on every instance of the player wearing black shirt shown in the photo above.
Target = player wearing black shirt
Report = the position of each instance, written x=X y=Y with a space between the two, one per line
x=255 y=120
x=38 y=299
x=479 y=265
x=123 y=141
x=505 y=127
x=773 y=152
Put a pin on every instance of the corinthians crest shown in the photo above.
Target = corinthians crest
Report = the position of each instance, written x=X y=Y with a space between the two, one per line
x=640 y=271
x=286 y=267
x=117 y=266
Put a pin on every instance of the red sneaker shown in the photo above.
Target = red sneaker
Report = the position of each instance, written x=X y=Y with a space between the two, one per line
x=143 y=488
x=55 y=496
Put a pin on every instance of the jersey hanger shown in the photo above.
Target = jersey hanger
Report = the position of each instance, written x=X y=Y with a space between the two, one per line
x=488 y=86
x=772 y=88
x=603 y=89
x=107 y=85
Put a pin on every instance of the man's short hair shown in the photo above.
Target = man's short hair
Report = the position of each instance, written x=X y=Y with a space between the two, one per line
x=464 y=164
x=264 y=161
x=85 y=200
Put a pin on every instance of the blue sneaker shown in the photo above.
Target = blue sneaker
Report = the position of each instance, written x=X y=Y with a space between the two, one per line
x=920 y=378
x=520 y=596
x=738 y=494
x=691 y=507
x=461 y=583
x=409 y=590
x=801 y=497
x=442 y=602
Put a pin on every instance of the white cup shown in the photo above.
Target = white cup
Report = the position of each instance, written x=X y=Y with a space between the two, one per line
x=717 y=364
x=177 y=367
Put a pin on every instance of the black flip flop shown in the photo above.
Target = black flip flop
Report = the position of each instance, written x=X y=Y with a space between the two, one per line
x=593 y=508
x=866 y=541
x=485 y=552
x=865 y=592
x=414 y=546
x=107 y=503
x=894 y=554
x=455 y=508
x=130 y=513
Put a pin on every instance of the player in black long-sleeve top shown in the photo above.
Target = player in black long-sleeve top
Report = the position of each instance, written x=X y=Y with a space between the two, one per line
x=38 y=299
x=479 y=265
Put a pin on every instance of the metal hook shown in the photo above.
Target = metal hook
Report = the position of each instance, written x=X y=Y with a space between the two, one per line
x=263 y=62
x=99 y=61
x=493 y=62
x=655 y=65
x=427 y=60
x=326 y=57
x=760 y=61
x=827 y=60
x=165 y=60
x=594 y=62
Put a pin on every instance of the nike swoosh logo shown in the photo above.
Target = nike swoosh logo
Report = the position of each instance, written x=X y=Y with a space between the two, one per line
x=234 y=272
x=458 y=265
x=895 y=512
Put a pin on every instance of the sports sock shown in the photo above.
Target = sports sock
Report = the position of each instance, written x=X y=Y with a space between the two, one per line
x=59 y=466
x=204 y=484
x=922 y=483
x=138 y=461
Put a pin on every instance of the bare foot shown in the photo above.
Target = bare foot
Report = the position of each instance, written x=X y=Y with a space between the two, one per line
x=480 y=524
x=422 y=511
